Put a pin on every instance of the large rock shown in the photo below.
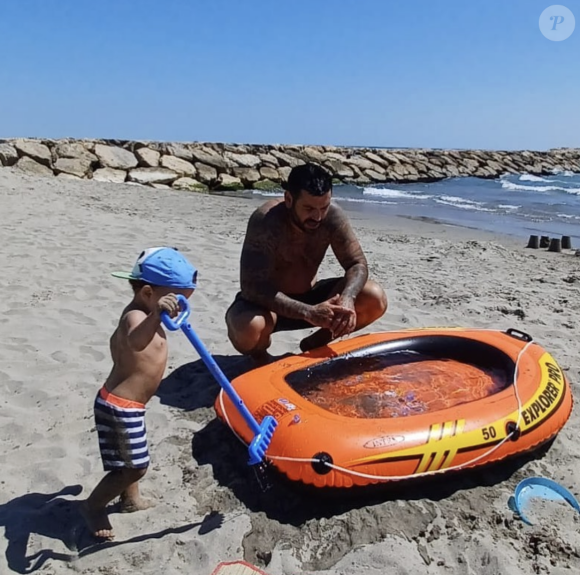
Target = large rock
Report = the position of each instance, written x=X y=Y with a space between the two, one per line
x=179 y=151
x=147 y=157
x=34 y=150
x=30 y=166
x=314 y=154
x=389 y=157
x=190 y=185
x=206 y=174
x=399 y=170
x=269 y=159
x=8 y=155
x=152 y=176
x=235 y=148
x=269 y=173
x=377 y=159
x=182 y=167
x=336 y=156
x=227 y=182
x=248 y=175
x=484 y=172
x=244 y=160
x=109 y=175
x=284 y=172
x=375 y=176
x=471 y=164
x=115 y=157
x=75 y=166
x=211 y=158
x=339 y=169
x=363 y=164
x=74 y=150
x=287 y=159
x=496 y=167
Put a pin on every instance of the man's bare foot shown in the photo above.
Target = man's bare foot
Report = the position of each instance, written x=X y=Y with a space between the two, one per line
x=132 y=504
x=317 y=339
x=97 y=521
x=262 y=358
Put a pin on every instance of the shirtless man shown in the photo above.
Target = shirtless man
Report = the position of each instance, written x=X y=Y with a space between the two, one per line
x=286 y=241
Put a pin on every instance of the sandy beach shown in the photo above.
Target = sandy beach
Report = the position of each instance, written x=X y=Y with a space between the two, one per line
x=61 y=240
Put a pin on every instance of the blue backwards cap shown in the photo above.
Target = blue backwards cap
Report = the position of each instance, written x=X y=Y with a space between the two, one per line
x=164 y=267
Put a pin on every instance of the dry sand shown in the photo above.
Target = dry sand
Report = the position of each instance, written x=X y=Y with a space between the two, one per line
x=60 y=241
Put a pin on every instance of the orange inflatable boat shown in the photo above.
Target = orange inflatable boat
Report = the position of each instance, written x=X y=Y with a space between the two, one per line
x=396 y=405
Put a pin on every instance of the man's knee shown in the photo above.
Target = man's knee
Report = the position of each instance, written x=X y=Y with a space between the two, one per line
x=249 y=332
x=372 y=301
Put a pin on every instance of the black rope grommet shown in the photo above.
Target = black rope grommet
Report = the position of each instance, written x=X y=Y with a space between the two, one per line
x=322 y=458
x=513 y=430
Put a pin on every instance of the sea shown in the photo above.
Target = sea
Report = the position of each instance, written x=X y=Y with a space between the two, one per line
x=515 y=204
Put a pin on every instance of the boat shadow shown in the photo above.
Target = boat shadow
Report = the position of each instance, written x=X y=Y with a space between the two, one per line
x=264 y=489
x=191 y=387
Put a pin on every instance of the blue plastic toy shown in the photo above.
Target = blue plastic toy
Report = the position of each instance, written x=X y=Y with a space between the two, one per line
x=539 y=487
x=262 y=432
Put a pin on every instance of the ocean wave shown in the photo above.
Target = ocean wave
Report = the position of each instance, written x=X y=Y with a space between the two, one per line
x=462 y=204
x=568 y=216
x=458 y=200
x=532 y=178
x=390 y=193
x=268 y=194
x=363 y=201
x=506 y=185
x=509 y=207
x=565 y=173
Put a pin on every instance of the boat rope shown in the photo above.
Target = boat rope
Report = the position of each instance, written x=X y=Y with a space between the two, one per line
x=402 y=477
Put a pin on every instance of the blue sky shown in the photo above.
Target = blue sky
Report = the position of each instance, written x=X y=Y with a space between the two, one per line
x=409 y=73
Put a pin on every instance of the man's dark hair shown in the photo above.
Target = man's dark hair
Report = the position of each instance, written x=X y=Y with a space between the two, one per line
x=309 y=177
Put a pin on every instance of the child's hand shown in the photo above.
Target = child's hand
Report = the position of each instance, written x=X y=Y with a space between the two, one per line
x=169 y=304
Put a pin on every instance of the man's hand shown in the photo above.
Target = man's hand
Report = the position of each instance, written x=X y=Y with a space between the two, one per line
x=344 y=322
x=331 y=312
x=168 y=303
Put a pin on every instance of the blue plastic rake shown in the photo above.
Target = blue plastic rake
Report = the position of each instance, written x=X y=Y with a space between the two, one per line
x=262 y=432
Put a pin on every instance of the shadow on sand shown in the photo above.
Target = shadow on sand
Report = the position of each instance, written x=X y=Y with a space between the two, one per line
x=192 y=387
x=52 y=516
x=293 y=503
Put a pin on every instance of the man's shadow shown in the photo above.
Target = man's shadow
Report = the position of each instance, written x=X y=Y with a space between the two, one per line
x=192 y=386
x=52 y=516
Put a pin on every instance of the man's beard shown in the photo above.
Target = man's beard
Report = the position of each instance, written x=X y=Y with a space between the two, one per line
x=301 y=225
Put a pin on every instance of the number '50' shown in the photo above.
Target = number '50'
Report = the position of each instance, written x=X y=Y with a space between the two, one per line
x=489 y=432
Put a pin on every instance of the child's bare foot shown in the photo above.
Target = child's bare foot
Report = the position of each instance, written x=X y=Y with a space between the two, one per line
x=132 y=504
x=97 y=521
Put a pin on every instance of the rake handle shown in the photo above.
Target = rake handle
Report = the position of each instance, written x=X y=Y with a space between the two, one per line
x=180 y=322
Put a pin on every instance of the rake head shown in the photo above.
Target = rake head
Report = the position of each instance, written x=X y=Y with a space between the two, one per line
x=261 y=441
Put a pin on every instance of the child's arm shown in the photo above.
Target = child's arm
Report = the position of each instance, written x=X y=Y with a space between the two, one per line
x=141 y=328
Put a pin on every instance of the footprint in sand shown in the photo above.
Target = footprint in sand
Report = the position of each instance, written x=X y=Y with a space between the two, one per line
x=60 y=356
x=18 y=347
x=92 y=352
x=78 y=318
